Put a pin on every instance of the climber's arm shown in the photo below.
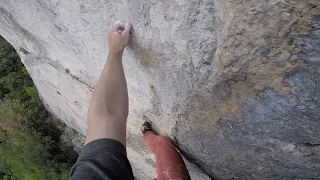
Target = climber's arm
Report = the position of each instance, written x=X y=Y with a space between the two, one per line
x=108 y=110
x=104 y=155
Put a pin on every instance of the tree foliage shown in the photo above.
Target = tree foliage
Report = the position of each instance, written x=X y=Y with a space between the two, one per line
x=26 y=156
x=32 y=150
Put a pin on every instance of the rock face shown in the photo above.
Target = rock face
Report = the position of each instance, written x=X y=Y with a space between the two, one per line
x=235 y=83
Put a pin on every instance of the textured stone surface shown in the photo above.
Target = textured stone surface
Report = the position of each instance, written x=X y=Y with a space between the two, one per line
x=235 y=83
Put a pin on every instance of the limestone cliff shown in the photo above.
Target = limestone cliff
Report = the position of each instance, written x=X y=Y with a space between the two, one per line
x=235 y=83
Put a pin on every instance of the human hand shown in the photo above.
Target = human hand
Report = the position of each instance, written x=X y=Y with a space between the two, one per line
x=118 y=37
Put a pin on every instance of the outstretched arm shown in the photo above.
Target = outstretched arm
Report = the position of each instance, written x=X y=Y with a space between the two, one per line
x=108 y=110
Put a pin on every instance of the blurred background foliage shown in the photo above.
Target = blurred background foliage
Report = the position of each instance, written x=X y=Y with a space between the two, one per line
x=29 y=141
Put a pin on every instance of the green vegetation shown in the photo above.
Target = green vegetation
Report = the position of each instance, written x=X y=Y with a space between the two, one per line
x=27 y=156
x=75 y=77
x=24 y=50
x=72 y=76
x=29 y=142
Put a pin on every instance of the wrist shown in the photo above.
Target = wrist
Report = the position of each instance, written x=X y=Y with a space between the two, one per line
x=115 y=53
x=115 y=56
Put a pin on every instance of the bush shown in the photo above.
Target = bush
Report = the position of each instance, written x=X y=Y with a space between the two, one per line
x=12 y=111
x=25 y=156
x=30 y=144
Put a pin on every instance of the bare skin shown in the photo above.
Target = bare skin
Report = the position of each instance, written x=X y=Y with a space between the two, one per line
x=109 y=106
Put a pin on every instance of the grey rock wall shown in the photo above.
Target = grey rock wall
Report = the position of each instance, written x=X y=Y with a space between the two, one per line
x=234 y=83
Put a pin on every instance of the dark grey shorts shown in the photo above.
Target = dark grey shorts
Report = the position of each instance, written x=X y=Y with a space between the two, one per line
x=102 y=159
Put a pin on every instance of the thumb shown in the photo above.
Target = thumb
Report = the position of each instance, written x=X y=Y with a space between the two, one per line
x=127 y=29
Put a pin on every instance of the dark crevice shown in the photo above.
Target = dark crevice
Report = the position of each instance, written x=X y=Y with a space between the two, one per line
x=193 y=160
x=310 y=144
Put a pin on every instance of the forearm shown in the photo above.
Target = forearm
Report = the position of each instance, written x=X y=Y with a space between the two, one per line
x=110 y=97
x=108 y=110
